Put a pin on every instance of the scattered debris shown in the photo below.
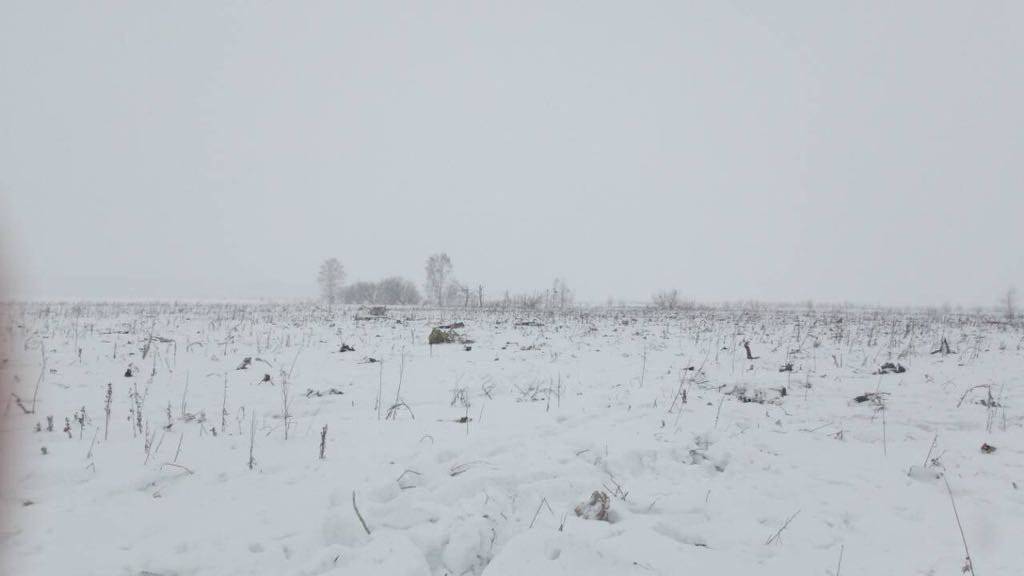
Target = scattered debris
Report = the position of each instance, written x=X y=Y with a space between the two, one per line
x=533 y=323
x=319 y=393
x=447 y=335
x=890 y=368
x=346 y=348
x=987 y=448
x=874 y=397
x=372 y=313
x=246 y=362
x=596 y=508
x=440 y=336
x=787 y=367
x=756 y=395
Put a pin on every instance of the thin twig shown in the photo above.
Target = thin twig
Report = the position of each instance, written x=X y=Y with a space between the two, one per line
x=543 y=502
x=360 y=516
x=932 y=447
x=718 y=412
x=185 y=468
x=775 y=537
x=42 y=374
x=970 y=564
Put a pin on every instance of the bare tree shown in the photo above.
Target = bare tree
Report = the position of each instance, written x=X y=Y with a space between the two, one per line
x=439 y=270
x=454 y=293
x=397 y=290
x=666 y=300
x=330 y=278
x=360 y=293
x=561 y=295
x=1010 y=303
x=527 y=301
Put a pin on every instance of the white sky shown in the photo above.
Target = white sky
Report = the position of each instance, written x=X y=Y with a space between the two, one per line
x=870 y=152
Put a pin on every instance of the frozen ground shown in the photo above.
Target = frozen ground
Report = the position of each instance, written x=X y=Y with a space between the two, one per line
x=481 y=466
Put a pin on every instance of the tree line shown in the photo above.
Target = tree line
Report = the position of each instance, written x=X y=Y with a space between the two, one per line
x=391 y=290
x=440 y=288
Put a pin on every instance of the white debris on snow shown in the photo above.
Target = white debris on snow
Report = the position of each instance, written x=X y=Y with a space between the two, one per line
x=481 y=463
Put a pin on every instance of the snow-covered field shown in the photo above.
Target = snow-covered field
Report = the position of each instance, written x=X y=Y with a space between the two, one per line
x=712 y=463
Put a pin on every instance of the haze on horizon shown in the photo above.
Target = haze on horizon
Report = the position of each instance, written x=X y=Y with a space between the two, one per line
x=785 y=152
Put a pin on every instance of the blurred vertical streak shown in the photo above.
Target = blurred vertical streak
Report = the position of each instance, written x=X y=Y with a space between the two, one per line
x=6 y=457
x=7 y=454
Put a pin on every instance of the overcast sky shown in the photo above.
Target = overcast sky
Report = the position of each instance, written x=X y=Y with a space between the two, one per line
x=835 y=151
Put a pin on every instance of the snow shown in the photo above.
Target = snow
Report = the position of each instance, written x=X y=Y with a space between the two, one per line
x=481 y=469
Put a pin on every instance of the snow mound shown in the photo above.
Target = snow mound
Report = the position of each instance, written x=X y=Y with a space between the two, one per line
x=387 y=554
